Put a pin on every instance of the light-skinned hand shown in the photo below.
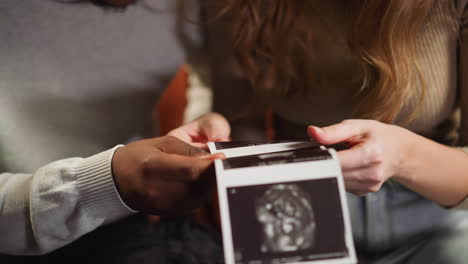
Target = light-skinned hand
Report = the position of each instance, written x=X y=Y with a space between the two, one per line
x=209 y=127
x=375 y=152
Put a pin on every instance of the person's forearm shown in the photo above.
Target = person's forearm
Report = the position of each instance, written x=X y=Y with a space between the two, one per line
x=435 y=171
x=57 y=204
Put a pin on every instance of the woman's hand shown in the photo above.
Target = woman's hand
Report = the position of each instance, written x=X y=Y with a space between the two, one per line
x=376 y=151
x=209 y=127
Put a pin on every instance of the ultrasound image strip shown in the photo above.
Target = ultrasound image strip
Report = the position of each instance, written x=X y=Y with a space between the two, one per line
x=239 y=144
x=285 y=222
x=274 y=158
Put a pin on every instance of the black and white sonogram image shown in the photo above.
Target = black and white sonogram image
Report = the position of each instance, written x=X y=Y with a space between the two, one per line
x=287 y=222
x=275 y=158
x=287 y=218
x=239 y=144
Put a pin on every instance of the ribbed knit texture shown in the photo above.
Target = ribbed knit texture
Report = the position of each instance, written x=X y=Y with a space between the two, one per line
x=98 y=192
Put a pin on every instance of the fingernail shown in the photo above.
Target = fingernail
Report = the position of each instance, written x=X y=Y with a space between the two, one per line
x=217 y=138
x=220 y=156
x=317 y=129
x=214 y=156
x=204 y=156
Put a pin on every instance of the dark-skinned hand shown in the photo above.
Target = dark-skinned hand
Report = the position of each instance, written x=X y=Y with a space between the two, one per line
x=163 y=176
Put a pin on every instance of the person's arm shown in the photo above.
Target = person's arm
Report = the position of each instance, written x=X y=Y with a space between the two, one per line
x=441 y=172
x=57 y=204
x=379 y=152
x=66 y=199
x=435 y=171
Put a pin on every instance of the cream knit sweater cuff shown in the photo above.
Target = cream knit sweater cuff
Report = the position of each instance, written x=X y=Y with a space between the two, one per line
x=99 y=195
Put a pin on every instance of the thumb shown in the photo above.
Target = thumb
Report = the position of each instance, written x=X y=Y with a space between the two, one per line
x=173 y=145
x=216 y=128
x=180 y=168
x=335 y=134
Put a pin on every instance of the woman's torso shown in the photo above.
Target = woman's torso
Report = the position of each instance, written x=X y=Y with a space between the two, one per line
x=334 y=75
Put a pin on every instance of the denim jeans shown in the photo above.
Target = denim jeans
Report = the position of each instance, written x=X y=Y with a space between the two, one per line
x=134 y=240
x=420 y=238
x=396 y=225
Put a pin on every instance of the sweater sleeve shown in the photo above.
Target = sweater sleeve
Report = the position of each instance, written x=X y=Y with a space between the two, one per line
x=57 y=204
x=463 y=83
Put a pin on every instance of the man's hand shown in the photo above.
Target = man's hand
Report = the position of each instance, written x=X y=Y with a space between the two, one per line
x=209 y=127
x=163 y=176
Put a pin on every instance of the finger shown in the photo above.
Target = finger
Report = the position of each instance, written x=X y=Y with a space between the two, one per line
x=356 y=175
x=360 y=156
x=169 y=197
x=170 y=191
x=215 y=156
x=202 y=146
x=181 y=134
x=179 y=168
x=350 y=158
x=366 y=175
x=354 y=188
x=173 y=145
x=338 y=133
x=361 y=189
x=215 y=127
x=196 y=142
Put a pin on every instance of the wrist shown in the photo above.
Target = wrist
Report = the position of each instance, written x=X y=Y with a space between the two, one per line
x=119 y=180
x=98 y=195
x=407 y=145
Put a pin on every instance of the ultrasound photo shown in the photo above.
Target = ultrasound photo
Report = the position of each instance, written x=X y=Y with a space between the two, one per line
x=239 y=144
x=280 y=157
x=287 y=222
x=287 y=218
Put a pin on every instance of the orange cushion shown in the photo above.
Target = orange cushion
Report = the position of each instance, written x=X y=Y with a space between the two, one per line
x=171 y=106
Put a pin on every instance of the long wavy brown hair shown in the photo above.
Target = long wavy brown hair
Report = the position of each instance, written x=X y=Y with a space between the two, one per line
x=271 y=40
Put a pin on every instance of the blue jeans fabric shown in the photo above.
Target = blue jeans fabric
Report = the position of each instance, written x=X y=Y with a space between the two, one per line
x=134 y=240
x=393 y=225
